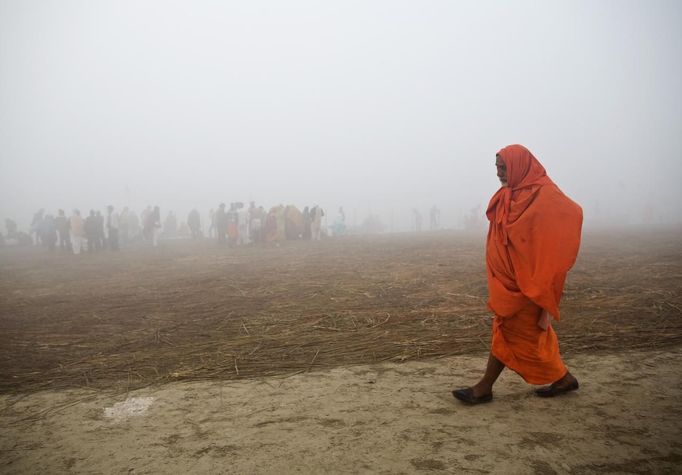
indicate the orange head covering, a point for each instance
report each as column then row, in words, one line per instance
column 523, row 169
column 524, row 172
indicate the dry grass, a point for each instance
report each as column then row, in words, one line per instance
column 193, row 311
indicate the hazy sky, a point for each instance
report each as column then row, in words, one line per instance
column 373, row 105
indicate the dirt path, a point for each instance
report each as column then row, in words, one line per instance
column 383, row 418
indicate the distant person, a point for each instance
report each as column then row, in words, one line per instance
column 11, row 227
column 124, row 226
column 48, row 232
column 434, row 216
column 532, row 242
column 62, row 225
column 270, row 228
column 293, row 222
column 340, row 222
column 101, row 240
column 253, row 220
column 112, row 228
column 211, row 224
column 316, row 214
column 194, row 223
column 77, row 230
column 36, row 222
column 256, row 222
column 242, row 225
column 281, row 227
column 134, row 228
column 15, row 237
column 154, row 225
column 221, row 223
column 145, row 217
column 306, row 224
column 91, row 234
column 232, row 224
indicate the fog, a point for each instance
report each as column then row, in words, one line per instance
column 380, row 106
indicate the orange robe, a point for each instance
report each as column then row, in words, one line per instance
column 532, row 243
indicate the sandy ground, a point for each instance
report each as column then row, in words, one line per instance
column 383, row 418
column 196, row 359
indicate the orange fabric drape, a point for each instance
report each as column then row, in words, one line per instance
column 532, row 243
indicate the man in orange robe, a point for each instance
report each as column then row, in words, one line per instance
column 532, row 243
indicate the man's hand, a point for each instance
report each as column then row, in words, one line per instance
column 544, row 320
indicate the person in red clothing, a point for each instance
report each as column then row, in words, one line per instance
column 532, row 242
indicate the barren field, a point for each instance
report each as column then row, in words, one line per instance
column 193, row 311
column 77, row 332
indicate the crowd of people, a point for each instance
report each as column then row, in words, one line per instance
column 231, row 226
column 238, row 225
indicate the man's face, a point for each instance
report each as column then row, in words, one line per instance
column 501, row 170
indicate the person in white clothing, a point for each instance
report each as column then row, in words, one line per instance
column 316, row 214
column 77, row 231
column 112, row 228
column 243, row 226
column 156, row 229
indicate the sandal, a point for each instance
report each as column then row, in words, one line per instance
column 555, row 390
column 467, row 395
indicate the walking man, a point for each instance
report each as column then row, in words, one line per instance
column 532, row 243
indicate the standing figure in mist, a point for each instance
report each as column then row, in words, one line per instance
column 194, row 223
column 91, row 231
column 48, row 232
column 124, row 226
column 100, row 241
column 256, row 220
column 144, row 216
column 77, row 229
column 211, row 223
column 220, row 219
column 340, row 222
column 233, row 224
column 113, row 224
column 134, row 230
column 35, row 226
column 316, row 214
column 532, row 243
column 243, row 225
column 306, row 223
column 156, row 225
column 152, row 226
column 434, row 216
column 62, row 224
